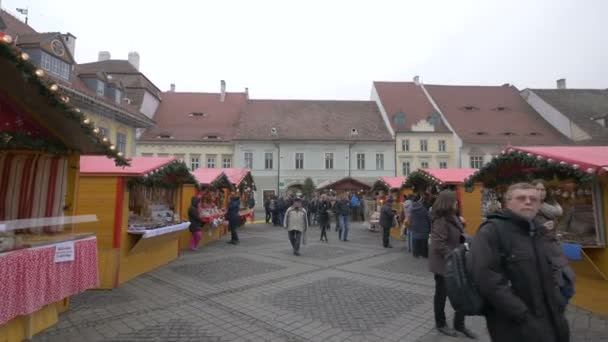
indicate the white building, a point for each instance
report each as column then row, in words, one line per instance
column 285, row 141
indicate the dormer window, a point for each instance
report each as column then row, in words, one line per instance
column 212, row 137
column 197, row 115
column 481, row 133
column 501, row 109
column 509, row 134
column 399, row 119
column 353, row 131
column 469, row 108
column 164, row 136
column 534, row 134
column 601, row 121
column 55, row 66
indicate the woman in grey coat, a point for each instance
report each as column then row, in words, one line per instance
column 446, row 235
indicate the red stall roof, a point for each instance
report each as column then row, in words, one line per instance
column 586, row 157
column 236, row 175
column 207, row 176
column 450, row 175
column 139, row 165
column 393, row 182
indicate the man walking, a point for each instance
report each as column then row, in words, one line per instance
column 323, row 209
column 512, row 271
column 267, row 209
column 296, row 222
column 343, row 210
column 233, row 217
column 387, row 217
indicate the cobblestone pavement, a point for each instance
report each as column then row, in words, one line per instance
column 260, row 291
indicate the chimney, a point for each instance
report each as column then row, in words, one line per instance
column 104, row 55
column 417, row 80
column 70, row 41
column 561, row 83
column 223, row 91
column 134, row 59
column 247, row 93
column 172, row 88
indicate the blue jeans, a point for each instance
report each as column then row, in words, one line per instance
column 343, row 227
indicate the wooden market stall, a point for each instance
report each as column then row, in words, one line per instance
column 435, row 180
column 381, row 190
column 577, row 178
column 242, row 180
column 137, row 206
column 43, row 261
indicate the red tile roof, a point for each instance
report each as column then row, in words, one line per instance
column 312, row 120
column 409, row 99
column 587, row 157
column 139, row 165
column 236, row 175
column 217, row 119
column 205, row 176
column 485, row 123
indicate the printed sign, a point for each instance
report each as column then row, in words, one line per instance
column 64, row 251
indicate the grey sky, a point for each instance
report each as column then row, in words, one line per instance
column 335, row 49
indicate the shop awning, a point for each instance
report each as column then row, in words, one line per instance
column 346, row 184
column 236, row 176
column 140, row 166
column 439, row 176
column 212, row 177
column 389, row 183
column 590, row 159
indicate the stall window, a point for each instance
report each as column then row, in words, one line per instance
column 227, row 162
column 249, row 160
column 405, row 145
column 195, row 162
column 299, row 161
column 329, row 161
column 379, row 161
column 441, row 145
column 424, row 145
column 476, row 162
column 360, row 161
column 405, row 166
column 121, row 142
column 211, row 161
column 443, row 165
column 268, row 161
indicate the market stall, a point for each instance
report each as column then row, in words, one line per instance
column 431, row 181
column 43, row 261
column 381, row 190
column 139, row 225
column 577, row 179
column 242, row 180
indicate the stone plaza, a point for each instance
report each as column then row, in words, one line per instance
column 260, row 291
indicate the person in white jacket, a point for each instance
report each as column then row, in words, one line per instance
column 296, row 223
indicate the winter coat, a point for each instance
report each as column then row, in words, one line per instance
column 343, row 207
column 251, row 202
column 195, row 221
column 234, row 219
column 387, row 215
column 420, row 221
column 296, row 219
column 323, row 208
column 524, row 303
column 446, row 235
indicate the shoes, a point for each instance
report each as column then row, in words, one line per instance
column 296, row 253
column 233, row 242
column 468, row 333
column 447, row 331
column 345, row 240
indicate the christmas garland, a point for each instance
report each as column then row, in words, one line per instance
column 420, row 179
column 23, row 141
column 55, row 98
column 169, row 177
column 538, row 167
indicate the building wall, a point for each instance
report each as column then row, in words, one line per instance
column 149, row 105
column 314, row 162
column 187, row 151
column 554, row 117
column 432, row 156
column 114, row 127
column 485, row 151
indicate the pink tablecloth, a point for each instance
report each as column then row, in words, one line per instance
column 30, row 278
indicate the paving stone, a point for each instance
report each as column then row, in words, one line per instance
column 323, row 252
column 226, row 269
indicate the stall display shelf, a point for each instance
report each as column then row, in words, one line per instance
column 148, row 233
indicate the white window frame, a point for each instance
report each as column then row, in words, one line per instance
column 424, row 145
column 406, row 167
column 248, row 160
column 121, row 145
column 405, row 145
column 55, row 66
column 441, row 145
column 329, row 160
column 360, row 161
column 476, row 161
column 424, row 164
column 443, row 164
column 299, row 162
column 211, row 161
column 268, row 162
column 226, row 162
column 195, row 161
column 379, row 161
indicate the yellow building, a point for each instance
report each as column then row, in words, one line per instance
column 422, row 139
column 197, row 128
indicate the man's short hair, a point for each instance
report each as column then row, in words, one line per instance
column 518, row 186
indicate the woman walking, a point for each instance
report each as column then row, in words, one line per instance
column 195, row 223
column 323, row 208
column 446, row 234
column 420, row 225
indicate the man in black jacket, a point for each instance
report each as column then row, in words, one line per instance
column 387, row 217
column 514, row 276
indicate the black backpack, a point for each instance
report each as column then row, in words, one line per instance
column 459, row 282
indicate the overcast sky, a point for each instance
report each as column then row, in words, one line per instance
column 335, row 49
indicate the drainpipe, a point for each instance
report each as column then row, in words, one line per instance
column 278, row 146
column 349, row 158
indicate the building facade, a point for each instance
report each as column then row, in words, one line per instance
column 284, row 142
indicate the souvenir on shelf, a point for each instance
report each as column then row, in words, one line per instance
column 151, row 208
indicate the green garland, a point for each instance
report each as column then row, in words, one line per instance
column 22, row 141
column 490, row 174
column 170, row 177
column 54, row 99
column 419, row 179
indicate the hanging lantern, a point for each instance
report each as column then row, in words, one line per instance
column 24, row 56
column 575, row 166
column 540, row 157
column 550, row 160
column 39, row 72
column 590, row 170
column 54, row 88
column 562, row 163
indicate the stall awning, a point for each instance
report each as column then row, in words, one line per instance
column 450, row 176
column 140, row 166
column 590, row 159
column 212, row 177
column 346, row 184
column 390, row 182
column 238, row 175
